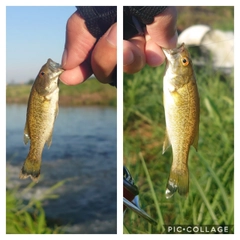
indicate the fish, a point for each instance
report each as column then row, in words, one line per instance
column 182, row 113
column 42, row 110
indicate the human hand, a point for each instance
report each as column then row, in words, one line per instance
column 82, row 57
column 141, row 50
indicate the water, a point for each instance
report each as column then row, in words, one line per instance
column 83, row 149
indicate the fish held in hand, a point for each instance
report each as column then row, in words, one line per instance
column 41, row 114
column 181, row 106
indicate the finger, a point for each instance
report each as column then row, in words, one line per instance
column 104, row 55
column 78, row 42
column 133, row 54
column 154, row 54
column 163, row 30
column 76, row 75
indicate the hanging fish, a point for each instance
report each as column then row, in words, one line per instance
column 41, row 113
column 181, row 105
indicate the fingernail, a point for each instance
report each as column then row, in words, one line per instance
column 64, row 58
column 128, row 57
column 112, row 36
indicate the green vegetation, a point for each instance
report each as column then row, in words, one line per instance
column 211, row 193
column 217, row 17
column 25, row 218
column 91, row 92
column 17, row 93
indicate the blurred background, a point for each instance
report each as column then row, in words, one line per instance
column 208, row 32
column 76, row 192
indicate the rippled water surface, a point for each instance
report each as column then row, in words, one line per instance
column 83, row 149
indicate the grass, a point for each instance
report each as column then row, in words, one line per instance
column 29, row 217
column 211, row 194
column 217, row 17
column 91, row 92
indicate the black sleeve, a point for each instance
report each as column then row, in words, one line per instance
column 137, row 17
column 98, row 19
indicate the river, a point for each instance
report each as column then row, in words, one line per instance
column 83, row 150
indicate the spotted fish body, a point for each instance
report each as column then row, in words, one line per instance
column 181, row 106
column 41, row 113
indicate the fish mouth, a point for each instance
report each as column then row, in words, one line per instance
column 174, row 51
column 54, row 67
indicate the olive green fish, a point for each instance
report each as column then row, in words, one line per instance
column 181, row 105
column 41, row 113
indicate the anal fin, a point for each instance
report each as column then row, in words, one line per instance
column 166, row 143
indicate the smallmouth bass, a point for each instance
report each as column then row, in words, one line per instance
column 41, row 114
column 182, row 107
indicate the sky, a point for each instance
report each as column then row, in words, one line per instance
column 33, row 34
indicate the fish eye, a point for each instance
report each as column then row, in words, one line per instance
column 41, row 74
column 185, row 61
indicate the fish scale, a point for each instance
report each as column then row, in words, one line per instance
column 181, row 107
column 41, row 114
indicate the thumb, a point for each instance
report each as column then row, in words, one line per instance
column 163, row 30
column 78, row 44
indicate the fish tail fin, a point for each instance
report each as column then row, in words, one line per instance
column 178, row 180
column 31, row 168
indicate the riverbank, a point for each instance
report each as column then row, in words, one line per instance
column 89, row 93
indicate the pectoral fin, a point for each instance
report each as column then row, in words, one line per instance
column 176, row 98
